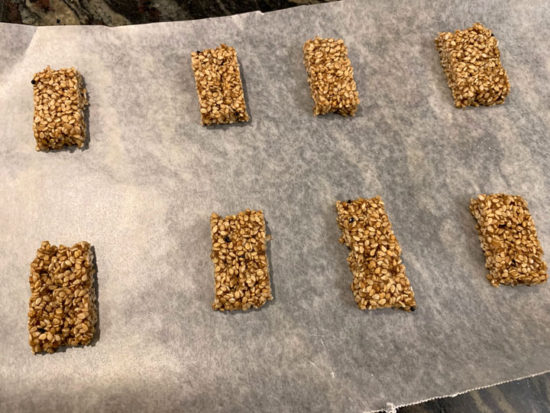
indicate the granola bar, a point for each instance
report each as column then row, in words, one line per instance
column 62, row 308
column 471, row 61
column 374, row 259
column 330, row 77
column 59, row 101
column 239, row 256
column 509, row 240
column 218, row 81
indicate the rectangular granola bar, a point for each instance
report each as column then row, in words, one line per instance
column 62, row 308
column 219, row 87
column 239, row 256
column 471, row 61
column 374, row 259
column 59, row 101
column 330, row 77
column 509, row 240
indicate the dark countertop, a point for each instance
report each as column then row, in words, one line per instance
column 121, row 12
column 522, row 396
column 528, row 395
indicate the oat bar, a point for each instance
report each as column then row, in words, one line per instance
column 218, row 81
column 330, row 77
column 374, row 259
column 513, row 254
column 239, row 255
column 59, row 101
column 62, row 308
column 471, row 61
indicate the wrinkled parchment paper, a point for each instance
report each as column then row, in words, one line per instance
column 143, row 191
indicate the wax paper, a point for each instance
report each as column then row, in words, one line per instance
column 143, row 189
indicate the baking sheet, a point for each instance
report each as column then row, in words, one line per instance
column 143, row 191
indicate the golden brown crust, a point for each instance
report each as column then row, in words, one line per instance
column 509, row 240
column 379, row 278
column 239, row 255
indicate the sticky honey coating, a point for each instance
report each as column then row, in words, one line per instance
column 513, row 253
column 62, row 307
column 240, row 262
column 471, row 61
column 330, row 77
column 374, row 259
column 219, row 86
column 59, row 102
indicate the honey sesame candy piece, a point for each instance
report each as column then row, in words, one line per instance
column 219, row 86
column 513, row 253
column 59, row 102
column 241, row 273
column 330, row 77
column 374, row 259
column 471, row 62
column 62, row 307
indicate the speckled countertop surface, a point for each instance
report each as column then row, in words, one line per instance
column 122, row 12
column 530, row 395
